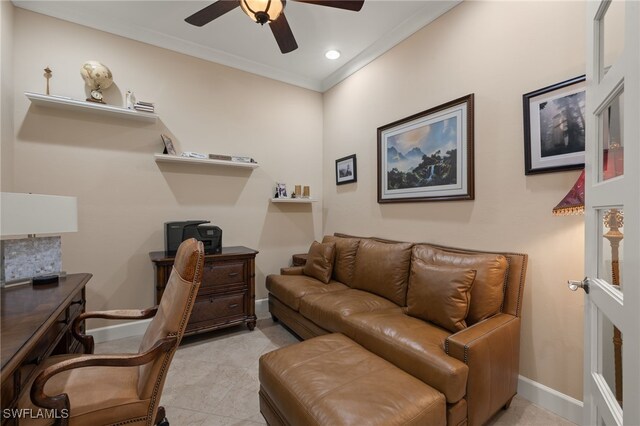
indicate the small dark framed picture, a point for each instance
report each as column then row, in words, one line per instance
column 346, row 170
column 168, row 145
column 554, row 124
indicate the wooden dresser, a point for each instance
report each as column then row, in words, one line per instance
column 227, row 293
column 36, row 323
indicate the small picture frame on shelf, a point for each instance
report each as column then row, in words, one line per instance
column 168, row 145
column 281, row 190
column 346, row 171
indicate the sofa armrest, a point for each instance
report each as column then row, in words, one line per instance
column 491, row 349
column 292, row 270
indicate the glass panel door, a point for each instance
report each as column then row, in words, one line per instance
column 612, row 247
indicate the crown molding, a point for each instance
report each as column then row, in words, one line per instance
column 165, row 41
column 385, row 43
column 155, row 38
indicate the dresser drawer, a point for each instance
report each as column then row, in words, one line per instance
column 76, row 306
column 43, row 348
column 227, row 293
column 207, row 308
column 223, row 273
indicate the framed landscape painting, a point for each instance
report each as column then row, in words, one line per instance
column 554, row 124
column 428, row 156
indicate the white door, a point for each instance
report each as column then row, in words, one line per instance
column 612, row 215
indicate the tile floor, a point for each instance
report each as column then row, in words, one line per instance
column 213, row 379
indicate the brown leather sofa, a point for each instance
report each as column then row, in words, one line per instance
column 460, row 334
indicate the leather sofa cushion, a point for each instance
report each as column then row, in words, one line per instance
column 330, row 380
column 413, row 345
column 383, row 269
column 346, row 249
column 440, row 294
column 320, row 261
column 290, row 289
column 487, row 293
column 329, row 309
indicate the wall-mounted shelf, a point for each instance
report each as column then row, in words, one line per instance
column 293, row 200
column 166, row 158
column 76, row 105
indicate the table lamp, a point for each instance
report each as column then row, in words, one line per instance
column 34, row 259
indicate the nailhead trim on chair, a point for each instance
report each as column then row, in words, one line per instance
column 156, row 388
column 504, row 283
column 521, row 285
column 129, row 421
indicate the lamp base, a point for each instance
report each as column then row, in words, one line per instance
column 25, row 258
column 44, row 280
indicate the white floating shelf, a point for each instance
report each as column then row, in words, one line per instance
column 166, row 158
column 293, row 200
column 73, row 104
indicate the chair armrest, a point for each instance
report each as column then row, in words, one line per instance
column 87, row 341
column 292, row 270
column 61, row 402
column 491, row 349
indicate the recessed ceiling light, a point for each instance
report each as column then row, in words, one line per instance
column 332, row 54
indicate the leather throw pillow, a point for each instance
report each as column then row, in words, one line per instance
column 491, row 269
column 440, row 294
column 320, row 261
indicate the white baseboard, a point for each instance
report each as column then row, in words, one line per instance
column 550, row 399
column 119, row 331
column 137, row 328
column 262, row 308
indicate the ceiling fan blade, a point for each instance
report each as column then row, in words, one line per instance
column 354, row 5
column 282, row 32
column 212, row 12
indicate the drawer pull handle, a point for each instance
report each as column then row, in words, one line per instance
column 77, row 302
column 233, row 274
column 64, row 321
column 233, row 305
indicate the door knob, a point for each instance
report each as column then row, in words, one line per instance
column 574, row 285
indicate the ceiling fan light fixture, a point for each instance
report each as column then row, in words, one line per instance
column 332, row 54
column 262, row 11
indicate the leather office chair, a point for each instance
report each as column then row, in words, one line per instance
column 121, row 389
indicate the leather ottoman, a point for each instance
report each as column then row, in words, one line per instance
column 331, row 380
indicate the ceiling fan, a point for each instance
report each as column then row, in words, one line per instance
column 263, row 11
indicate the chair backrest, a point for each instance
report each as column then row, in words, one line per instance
column 172, row 317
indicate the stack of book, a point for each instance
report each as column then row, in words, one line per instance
column 144, row 106
column 237, row 159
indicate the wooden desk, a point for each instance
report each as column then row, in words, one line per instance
column 36, row 323
column 227, row 294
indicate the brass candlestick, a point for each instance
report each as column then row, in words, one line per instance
column 614, row 220
column 47, row 74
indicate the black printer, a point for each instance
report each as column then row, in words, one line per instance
column 177, row 232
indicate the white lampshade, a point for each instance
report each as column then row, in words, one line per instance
column 24, row 214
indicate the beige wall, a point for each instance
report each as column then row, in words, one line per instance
column 6, row 95
column 497, row 50
column 124, row 197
